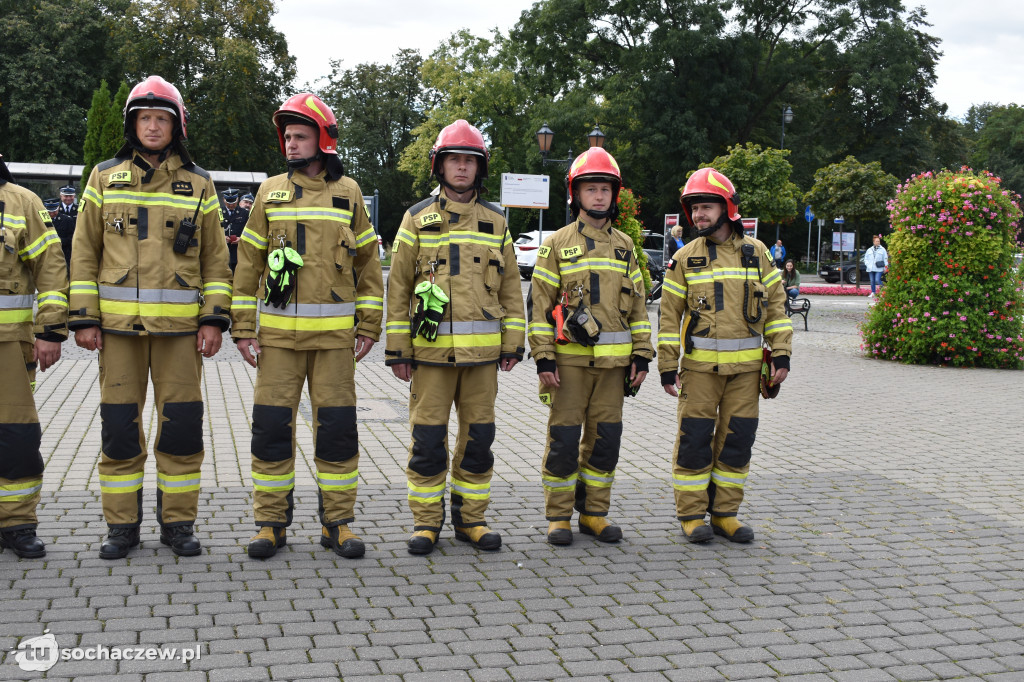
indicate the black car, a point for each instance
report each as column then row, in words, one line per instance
column 830, row 271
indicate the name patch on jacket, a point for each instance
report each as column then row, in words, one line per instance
column 182, row 187
column 430, row 219
column 696, row 261
column 119, row 177
column 278, row 195
column 571, row 252
column 544, row 251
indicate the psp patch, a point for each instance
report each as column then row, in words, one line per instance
column 571, row 252
column 119, row 177
column 44, row 215
column 430, row 219
column 544, row 251
column 697, row 261
column 278, row 196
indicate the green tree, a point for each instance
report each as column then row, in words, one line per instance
column 1000, row 145
column 113, row 132
column 856, row 191
column 96, row 121
column 953, row 295
column 761, row 178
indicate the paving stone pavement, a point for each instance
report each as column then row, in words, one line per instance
column 884, row 498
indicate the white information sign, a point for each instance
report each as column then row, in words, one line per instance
column 525, row 191
column 847, row 241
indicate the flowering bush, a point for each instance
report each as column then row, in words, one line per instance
column 629, row 222
column 952, row 296
column 834, row 291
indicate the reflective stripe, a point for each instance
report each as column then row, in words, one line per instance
column 269, row 483
column 474, row 327
column 595, row 479
column 772, row 277
column 211, row 288
column 15, row 492
column 312, row 309
column 559, row 485
column 254, row 239
column 39, row 245
column 516, row 323
column 669, row 338
column 727, row 345
column 182, row 483
column 112, row 293
column 309, row 316
column 427, row 494
column 674, row 288
column 337, row 481
column 366, row 237
column 541, row 328
column 778, row 325
column 372, row 302
column 243, row 302
column 463, row 237
column 595, row 264
column 52, row 297
column 719, row 274
column 152, row 199
column 728, row 479
column 598, row 351
column 93, row 195
column 725, row 357
column 545, row 275
column 471, row 491
column 635, row 327
column 405, row 236
column 338, row 215
column 83, row 287
column 17, row 301
column 127, row 483
column 398, row 327
column 476, row 334
column 695, row 482
column 15, row 316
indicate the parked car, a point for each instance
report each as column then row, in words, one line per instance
column 654, row 247
column 830, row 271
column 526, row 246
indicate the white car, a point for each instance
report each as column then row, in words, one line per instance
column 526, row 246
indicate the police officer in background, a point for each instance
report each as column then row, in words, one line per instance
column 30, row 255
column 722, row 293
column 64, row 224
column 455, row 315
column 246, row 202
column 591, row 353
column 67, row 201
column 308, row 264
column 233, row 224
column 151, row 291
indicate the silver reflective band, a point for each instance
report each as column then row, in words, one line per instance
column 121, row 484
column 725, row 345
column 428, row 495
column 312, row 309
column 478, row 327
column 21, row 491
column 178, row 484
column 149, row 295
column 611, row 338
column 24, row 301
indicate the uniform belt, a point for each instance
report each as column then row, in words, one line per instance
column 149, row 295
column 312, row 309
column 726, row 345
column 17, row 301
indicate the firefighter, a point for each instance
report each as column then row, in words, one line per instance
column 586, row 366
column 308, row 270
column 455, row 314
column 30, row 257
column 722, row 295
column 233, row 224
column 64, row 225
column 151, row 291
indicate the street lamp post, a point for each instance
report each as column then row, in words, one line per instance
column 544, row 138
column 787, row 117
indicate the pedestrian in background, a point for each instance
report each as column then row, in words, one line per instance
column 876, row 261
column 779, row 253
column 791, row 279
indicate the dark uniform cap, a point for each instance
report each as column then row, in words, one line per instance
column 68, row 190
column 248, row 197
column 51, row 204
column 230, row 196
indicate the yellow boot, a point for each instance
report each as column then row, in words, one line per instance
column 560, row 533
column 482, row 537
column 732, row 529
column 695, row 530
column 264, row 544
column 422, row 542
column 599, row 527
column 342, row 541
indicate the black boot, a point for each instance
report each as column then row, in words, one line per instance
column 118, row 542
column 24, row 542
column 181, row 539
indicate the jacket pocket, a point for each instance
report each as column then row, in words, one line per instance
column 10, row 286
column 494, row 270
column 113, row 275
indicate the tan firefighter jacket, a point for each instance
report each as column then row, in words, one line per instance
column 599, row 264
column 30, row 259
column 719, row 282
column 468, row 248
column 125, row 275
column 339, row 291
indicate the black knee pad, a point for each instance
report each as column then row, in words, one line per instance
column 478, row 458
column 119, row 430
column 695, row 443
column 429, row 457
column 19, row 444
column 271, row 432
column 564, row 453
column 739, row 442
column 182, row 433
column 606, row 448
column 337, row 438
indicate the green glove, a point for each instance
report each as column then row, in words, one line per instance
column 429, row 310
column 284, row 268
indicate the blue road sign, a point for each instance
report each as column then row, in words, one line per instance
column 808, row 213
column 839, row 220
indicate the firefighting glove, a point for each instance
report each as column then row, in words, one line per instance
column 583, row 326
column 430, row 310
column 284, row 268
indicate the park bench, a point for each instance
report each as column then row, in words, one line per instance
column 798, row 306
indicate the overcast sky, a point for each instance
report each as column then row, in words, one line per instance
column 982, row 40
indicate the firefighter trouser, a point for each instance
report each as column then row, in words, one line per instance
column 21, row 465
column 332, row 394
column 717, row 419
column 126, row 364
column 434, row 389
column 587, row 403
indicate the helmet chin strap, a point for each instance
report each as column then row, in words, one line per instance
column 599, row 215
column 297, row 164
column 708, row 231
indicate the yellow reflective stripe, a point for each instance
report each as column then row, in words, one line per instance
column 694, row 482
column 669, row 338
column 56, row 297
column 459, row 341
column 541, row 328
column 374, row 302
column 595, row 479
column 559, row 485
column 406, row 236
column 728, row 479
column 211, row 204
column 771, row 278
column 239, row 302
column 16, row 492
column 635, row 327
column 306, row 324
column 273, row 482
column 460, row 237
column 92, row 195
column 15, row 316
column 398, row 327
column 471, row 491
column 338, row 215
column 366, row 237
column 83, row 287
column 39, row 245
column 595, row 264
column 149, row 309
column 328, row 481
column 546, row 275
column 778, row 325
column 125, row 483
column 599, row 351
column 725, row 357
column 674, row 287
column 433, row 494
column 181, row 483
column 254, row 239
column 151, row 199
column 514, row 323
column 217, row 288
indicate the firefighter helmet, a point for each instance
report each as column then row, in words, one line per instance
column 155, row 93
column 594, row 165
column 309, row 109
column 461, row 138
column 709, row 184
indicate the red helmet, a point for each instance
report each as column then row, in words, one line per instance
column 155, row 93
column 595, row 165
column 463, row 138
column 707, row 183
column 311, row 110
